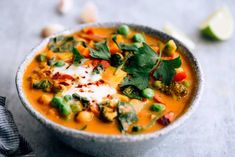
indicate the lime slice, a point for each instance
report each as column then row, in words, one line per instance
column 219, row 25
column 175, row 32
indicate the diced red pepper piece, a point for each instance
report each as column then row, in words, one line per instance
column 157, row 98
column 89, row 31
column 105, row 63
column 180, row 76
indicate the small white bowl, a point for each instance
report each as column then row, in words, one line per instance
column 112, row 145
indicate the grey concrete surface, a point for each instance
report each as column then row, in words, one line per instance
column 211, row 130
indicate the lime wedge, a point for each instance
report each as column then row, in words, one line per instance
column 175, row 32
column 219, row 25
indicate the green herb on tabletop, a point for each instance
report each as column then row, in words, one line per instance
column 44, row 85
column 101, row 51
column 77, row 56
column 126, row 116
column 166, row 70
column 61, row 44
column 60, row 104
column 83, row 100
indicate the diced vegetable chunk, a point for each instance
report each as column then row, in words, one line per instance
column 169, row 48
column 113, row 77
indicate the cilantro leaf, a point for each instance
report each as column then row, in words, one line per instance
column 139, row 67
column 138, row 79
column 77, row 56
column 166, row 70
column 101, row 52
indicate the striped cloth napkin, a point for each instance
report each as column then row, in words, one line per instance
column 12, row 144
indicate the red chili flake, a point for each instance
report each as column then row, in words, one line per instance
column 81, row 90
column 86, row 72
column 101, row 81
column 79, row 86
column 47, row 72
column 56, row 75
column 89, row 84
column 83, row 77
column 64, row 83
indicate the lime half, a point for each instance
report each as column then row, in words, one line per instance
column 219, row 25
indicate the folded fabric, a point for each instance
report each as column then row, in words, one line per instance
column 11, row 142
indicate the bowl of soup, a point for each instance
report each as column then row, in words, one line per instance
column 110, row 89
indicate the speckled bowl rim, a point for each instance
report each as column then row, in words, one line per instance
column 89, row 136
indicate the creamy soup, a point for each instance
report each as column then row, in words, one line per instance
column 109, row 81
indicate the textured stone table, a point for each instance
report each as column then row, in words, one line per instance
column 211, row 130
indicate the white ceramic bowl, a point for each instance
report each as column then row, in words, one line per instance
column 112, row 145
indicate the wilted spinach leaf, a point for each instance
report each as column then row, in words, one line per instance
column 131, row 91
column 61, row 43
column 126, row 116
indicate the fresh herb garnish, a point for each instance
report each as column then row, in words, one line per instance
column 139, row 67
column 44, row 85
column 101, row 51
column 61, row 43
column 166, row 70
column 77, row 56
column 124, row 47
column 131, row 91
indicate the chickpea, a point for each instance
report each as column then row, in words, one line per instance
column 84, row 116
column 45, row 99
